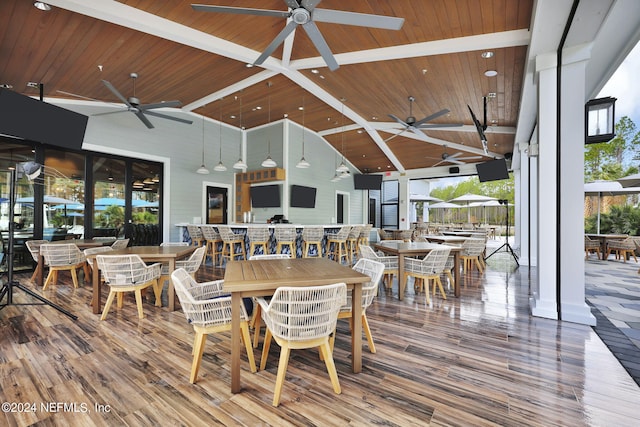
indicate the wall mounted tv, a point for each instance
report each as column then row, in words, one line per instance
column 303, row 197
column 367, row 182
column 493, row 170
column 265, row 196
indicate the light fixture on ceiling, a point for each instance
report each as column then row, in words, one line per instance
column 335, row 177
column 240, row 164
column 269, row 162
column 156, row 179
column 148, row 181
column 220, row 167
column 110, row 177
column 488, row 54
column 138, row 184
column 203, row 169
column 491, row 73
column 303, row 163
column 342, row 167
column 41, row 5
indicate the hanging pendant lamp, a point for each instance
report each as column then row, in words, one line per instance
column 342, row 167
column 220, row 167
column 240, row 164
column 203, row 169
column 269, row 162
column 303, row 163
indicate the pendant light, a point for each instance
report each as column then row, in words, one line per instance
column 220, row 167
column 240, row 164
column 203, row 169
column 335, row 177
column 342, row 167
column 269, row 162
column 303, row 164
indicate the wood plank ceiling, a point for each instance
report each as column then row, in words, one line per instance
column 201, row 59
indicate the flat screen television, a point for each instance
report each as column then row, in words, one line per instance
column 303, row 197
column 265, row 196
column 492, row 170
column 367, row 182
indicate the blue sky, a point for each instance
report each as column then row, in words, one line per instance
column 623, row 86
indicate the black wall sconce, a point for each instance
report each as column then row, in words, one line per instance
column 600, row 120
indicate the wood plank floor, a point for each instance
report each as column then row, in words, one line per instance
column 479, row 360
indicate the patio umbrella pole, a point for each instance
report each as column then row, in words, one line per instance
column 506, row 245
column 10, row 284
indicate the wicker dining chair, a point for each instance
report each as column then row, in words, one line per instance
column 591, row 246
column 390, row 264
column 208, row 309
column 373, row 269
column 120, row 244
column 191, row 265
column 302, row 317
column 230, row 241
column 127, row 273
column 214, row 244
column 63, row 257
column 472, row 252
column 427, row 269
column 33, row 246
column 337, row 244
column 258, row 238
column 285, row 236
column 622, row 248
column 196, row 236
column 93, row 251
column 312, row 237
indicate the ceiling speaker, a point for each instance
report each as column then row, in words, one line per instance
column 454, row 169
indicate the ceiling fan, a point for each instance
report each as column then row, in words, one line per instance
column 415, row 126
column 454, row 158
column 305, row 13
column 480, row 128
column 134, row 106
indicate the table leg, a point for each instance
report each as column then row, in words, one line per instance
column 97, row 291
column 236, row 298
column 400, row 277
column 40, row 276
column 456, row 273
column 356, row 334
column 171, row 293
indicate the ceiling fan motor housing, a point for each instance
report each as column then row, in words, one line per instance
column 300, row 16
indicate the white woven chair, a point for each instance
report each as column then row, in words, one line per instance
column 337, row 244
column 427, row 269
column 373, row 269
column 120, row 244
column 390, row 264
column 302, row 317
column 352, row 242
column 191, row 265
column 213, row 240
column 127, row 273
column 258, row 237
column 472, row 251
column 63, row 257
column 196, row 236
column 312, row 236
column 229, row 242
column 285, row 236
column 208, row 309
column 97, row 250
column 34, row 249
column 363, row 239
column 255, row 321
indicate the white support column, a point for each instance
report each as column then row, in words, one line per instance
column 544, row 296
column 403, row 203
column 573, row 93
column 521, row 177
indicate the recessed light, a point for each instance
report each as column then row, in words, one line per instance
column 285, row 115
column 32, row 85
column 258, row 108
column 487, row 54
column 424, row 71
column 301, row 108
column 249, row 65
column 322, row 77
column 6, row 86
column 41, row 5
column 374, row 117
column 233, row 116
column 491, row 73
column 491, row 95
column 314, row 71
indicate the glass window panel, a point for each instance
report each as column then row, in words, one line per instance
column 108, row 197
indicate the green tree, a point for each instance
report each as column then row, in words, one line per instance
column 611, row 160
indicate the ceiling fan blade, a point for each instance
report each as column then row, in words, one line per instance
column 276, row 42
column 439, row 125
column 292, row 4
column 165, row 116
column 418, row 132
column 439, row 163
column 359, row 19
column 142, row 118
column 78, row 96
column 397, row 119
column 321, row 45
column 393, row 136
column 168, row 104
column 111, row 112
column 309, row 4
column 116, row 93
column 431, row 117
column 240, row 10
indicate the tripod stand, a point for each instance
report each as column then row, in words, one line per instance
column 506, row 245
column 8, row 287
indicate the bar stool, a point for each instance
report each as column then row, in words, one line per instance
column 286, row 236
column 363, row 239
column 229, row 242
column 312, row 236
column 214, row 244
column 195, row 234
column 339, row 241
column 352, row 242
column 258, row 238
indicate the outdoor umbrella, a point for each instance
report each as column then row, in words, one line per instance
column 414, row 198
column 630, row 180
column 444, row 205
column 607, row 188
column 470, row 198
column 109, row 201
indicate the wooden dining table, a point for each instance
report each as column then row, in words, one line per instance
column 263, row 277
column 80, row 243
column 417, row 249
column 164, row 254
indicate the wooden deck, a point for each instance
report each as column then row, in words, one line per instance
column 478, row 360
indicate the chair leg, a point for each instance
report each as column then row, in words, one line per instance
column 138, row 293
column 74, row 277
column 331, row 366
column 157, row 291
column 198, row 349
column 246, row 338
column 49, row 279
column 282, row 370
column 265, row 349
column 107, row 305
column 257, row 323
column 426, row 291
column 439, row 283
column 367, row 332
